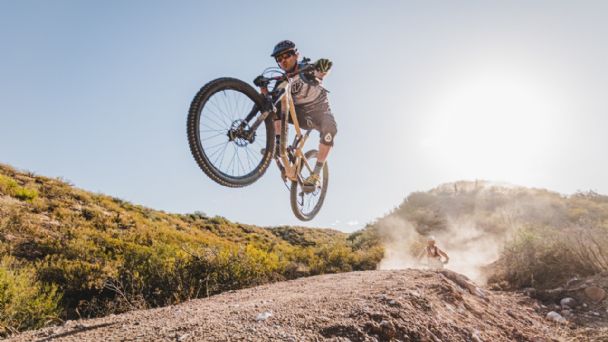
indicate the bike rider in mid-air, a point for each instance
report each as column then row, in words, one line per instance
column 310, row 100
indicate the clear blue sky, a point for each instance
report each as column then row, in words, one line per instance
column 424, row 93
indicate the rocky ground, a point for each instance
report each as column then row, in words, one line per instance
column 580, row 303
column 405, row 305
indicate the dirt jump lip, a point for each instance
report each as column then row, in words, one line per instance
column 381, row 305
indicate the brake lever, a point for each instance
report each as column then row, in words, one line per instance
column 261, row 81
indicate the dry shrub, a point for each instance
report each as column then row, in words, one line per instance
column 545, row 257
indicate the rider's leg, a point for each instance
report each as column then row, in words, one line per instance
column 323, row 153
column 321, row 157
column 327, row 131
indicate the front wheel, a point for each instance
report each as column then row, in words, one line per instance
column 222, row 142
column 306, row 203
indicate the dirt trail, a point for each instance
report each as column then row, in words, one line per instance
column 406, row 305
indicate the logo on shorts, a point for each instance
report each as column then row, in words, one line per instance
column 309, row 122
column 328, row 137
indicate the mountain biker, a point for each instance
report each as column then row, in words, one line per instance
column 433, row 254
column 310, row 101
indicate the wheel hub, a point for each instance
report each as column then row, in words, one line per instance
column 241, row 133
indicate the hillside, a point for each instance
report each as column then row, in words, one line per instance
column 67, row 253
column 409, row 305
column 508, row 236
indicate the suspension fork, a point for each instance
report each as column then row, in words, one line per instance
column 269, row 108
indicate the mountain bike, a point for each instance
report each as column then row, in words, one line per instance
column 231, row 136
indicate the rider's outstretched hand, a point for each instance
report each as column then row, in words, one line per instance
column 323, row 65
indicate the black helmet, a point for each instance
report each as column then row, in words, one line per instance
column 282, row 46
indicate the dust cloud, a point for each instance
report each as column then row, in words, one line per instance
column 468, row 247
column 471, row 238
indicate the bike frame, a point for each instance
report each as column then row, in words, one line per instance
column 289, row 168
column 292, row 167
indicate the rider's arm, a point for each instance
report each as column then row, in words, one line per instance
column 421, row 254
column 443, row 254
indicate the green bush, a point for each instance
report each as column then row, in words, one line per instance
column 7, row 185
column 10, row 187
column 24, row 302
column 25, row 194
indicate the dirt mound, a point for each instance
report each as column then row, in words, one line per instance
column 406, row 305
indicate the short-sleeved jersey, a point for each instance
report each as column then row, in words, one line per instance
column 308, row 93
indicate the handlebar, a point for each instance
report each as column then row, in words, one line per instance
column 261, row 81
column 309, row 67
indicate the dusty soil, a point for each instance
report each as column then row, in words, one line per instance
column 405, row 305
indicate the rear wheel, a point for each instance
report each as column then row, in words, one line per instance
column 224, row 146
column 306, row 203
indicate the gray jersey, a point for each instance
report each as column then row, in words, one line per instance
column 308, row 94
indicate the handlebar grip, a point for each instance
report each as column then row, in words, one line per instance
column 261, row 81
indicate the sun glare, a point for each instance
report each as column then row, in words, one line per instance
column 494, row 125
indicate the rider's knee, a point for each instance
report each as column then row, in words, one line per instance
column 328, row 136
column 328, row 132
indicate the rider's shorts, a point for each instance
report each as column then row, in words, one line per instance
column 321, row 119
column 435, row 263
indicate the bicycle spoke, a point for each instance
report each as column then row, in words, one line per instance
column 240, row 162
column 213, row 136
column 233, row 105
column 214, row 154
column 248, row 155
column 211, row 121
column 226, row 104
column 213, row 101
column 223, row 131
column 232, row 161
column 240, row 106
column 220, row 118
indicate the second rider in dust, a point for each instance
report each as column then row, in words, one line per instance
column 310, row 101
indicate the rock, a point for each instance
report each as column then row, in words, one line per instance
column 263, row 316
column 387, row 330
column 567, row 303
column 475, row 336
column 566, row 313
column 555, row 317
column 596, row 294
column 530, row 292
column 572, row 282
column 594, row 313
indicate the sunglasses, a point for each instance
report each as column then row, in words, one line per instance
column 284, row 56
